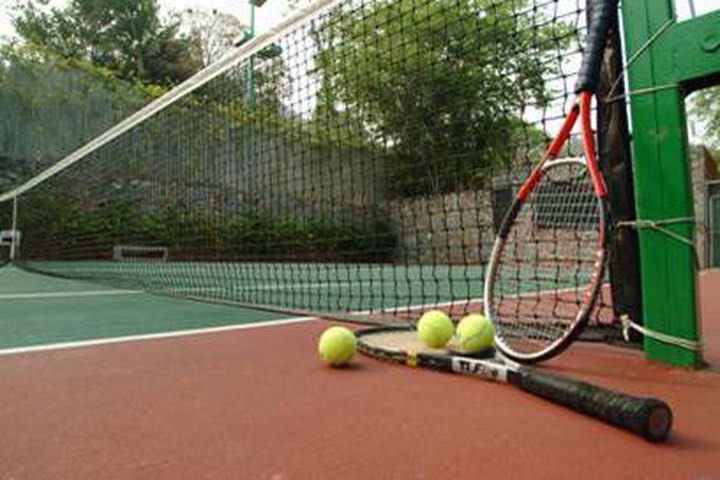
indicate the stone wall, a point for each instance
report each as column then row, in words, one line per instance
column 703, row 170
column 452, row 229
column 458, row 228
column 713, row 230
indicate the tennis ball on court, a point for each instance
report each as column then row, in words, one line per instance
column 337, row 345
column 474, row 333
column 435, row 329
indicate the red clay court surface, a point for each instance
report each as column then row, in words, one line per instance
column 257, row 404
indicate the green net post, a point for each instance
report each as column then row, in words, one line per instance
column 671, row 59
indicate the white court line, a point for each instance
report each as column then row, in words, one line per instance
column 89, row 293
column 180, row 333
column 151, row 336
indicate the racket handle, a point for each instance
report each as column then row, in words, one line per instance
column 603, row 13
column 648, row 417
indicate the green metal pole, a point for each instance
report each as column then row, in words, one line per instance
column 251, row 63
column 672, row 59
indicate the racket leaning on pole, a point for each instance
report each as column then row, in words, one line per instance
column 549, row 256
column 648, row 417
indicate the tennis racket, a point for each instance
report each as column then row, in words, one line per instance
column 548, row 260
column 648, row 417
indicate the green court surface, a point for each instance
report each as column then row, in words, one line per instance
column 40, row 310
column 112, row 300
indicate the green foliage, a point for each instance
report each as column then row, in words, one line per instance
column 198, row 235
column 706, row 107
column 441, row 84
column 230, row 92
column 124, row 36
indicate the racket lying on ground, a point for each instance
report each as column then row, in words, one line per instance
column 648, row 417
column 549, row 256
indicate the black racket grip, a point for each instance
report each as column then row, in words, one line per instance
column 648, row 417
column 603, row 14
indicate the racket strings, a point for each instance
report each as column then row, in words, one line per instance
column 402, row 340
column 548, row 260
column 405, row 340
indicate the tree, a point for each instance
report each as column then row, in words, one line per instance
column 706, row 107
column 214, row 32
column 125, row 36
column 442, row 85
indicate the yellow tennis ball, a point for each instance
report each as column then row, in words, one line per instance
column 337, row 345
column 475, row 332
column 435, row 329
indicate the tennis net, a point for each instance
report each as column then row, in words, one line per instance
column 354, row 161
